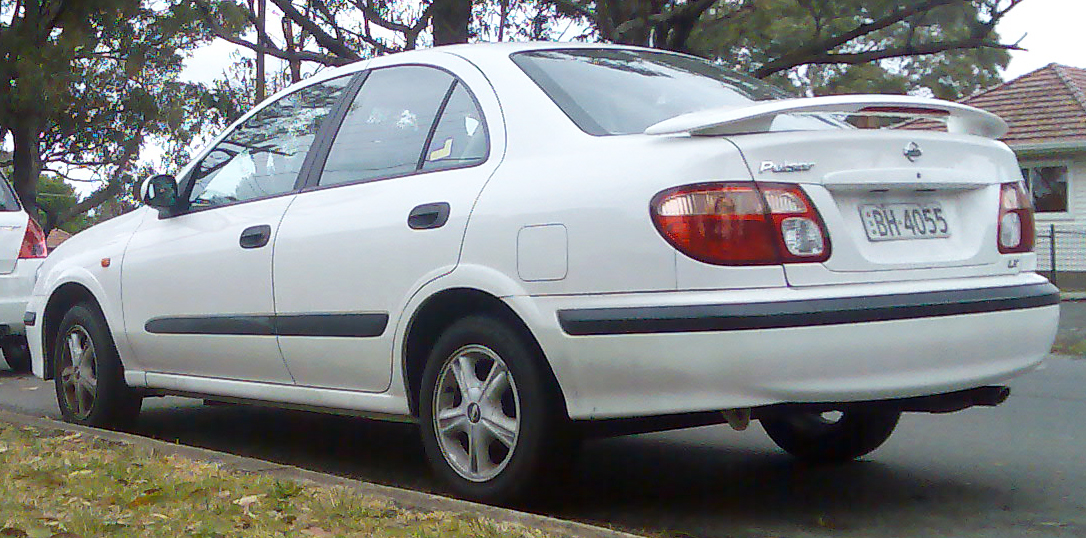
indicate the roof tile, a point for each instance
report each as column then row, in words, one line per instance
column 1046, row 105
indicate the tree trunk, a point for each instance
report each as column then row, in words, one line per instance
column 295, row 65
column 450, row 19
column 26, row 164
column 261, row 18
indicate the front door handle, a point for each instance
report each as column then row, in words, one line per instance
column 255, row 236
column 428, row 216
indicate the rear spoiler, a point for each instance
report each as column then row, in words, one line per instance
column 759, row 117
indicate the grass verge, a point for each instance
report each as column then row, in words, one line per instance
column 1070, row 348
column 64, row 485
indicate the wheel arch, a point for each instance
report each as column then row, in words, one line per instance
column 436, row 313
column 60, row 300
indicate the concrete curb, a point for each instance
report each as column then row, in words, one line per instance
column 405, row 498
column 1073, row 295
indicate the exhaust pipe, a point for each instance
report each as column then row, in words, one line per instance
column 949, row 402
column 990, row 396
column 738, row 419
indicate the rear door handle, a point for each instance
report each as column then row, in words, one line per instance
column 428, row 216
column 255, row 236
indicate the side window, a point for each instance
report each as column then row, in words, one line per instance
column 263, row 155
column 387, row 124
column 460, row 138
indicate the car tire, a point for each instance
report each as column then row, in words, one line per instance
column 16, row 353
column 88, row 374
column 814, row 438
column 492, row 421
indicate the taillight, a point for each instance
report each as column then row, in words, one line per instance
column 1016, row 230
column 741, row 223
column 33, row 242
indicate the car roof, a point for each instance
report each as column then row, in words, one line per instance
column 466, row 51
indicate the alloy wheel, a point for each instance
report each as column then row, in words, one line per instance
column 476, row 410
column 79, row 372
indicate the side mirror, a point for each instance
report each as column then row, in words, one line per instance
column 160, row 192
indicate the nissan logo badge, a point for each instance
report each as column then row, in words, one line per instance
column 912, row 152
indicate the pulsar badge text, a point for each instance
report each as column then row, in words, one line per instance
column 770, row 166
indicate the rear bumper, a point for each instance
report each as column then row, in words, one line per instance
column 704, row 351
column 804, row 313
column 15, row 289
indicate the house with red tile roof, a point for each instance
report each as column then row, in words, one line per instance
column 56, row 237
column 1046, row 112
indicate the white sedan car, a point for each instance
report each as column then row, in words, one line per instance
column 22, row 250
column 519, row 245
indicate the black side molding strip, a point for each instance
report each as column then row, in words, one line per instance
column 367, row 325
column 345, row 325
column 785, row 314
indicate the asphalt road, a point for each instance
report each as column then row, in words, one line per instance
column 1015, row 470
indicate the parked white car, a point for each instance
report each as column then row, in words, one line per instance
column 517, row 245
column 22, row 250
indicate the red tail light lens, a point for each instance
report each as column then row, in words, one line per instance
column 33, row 242
column 741, row 223
column 1016, row 231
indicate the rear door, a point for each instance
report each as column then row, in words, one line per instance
column 898, row 205
column 13, row 221
column 385, row 216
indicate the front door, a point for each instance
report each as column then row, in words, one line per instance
column 197, row 285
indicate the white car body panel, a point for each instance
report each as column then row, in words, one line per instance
column 17, row 275
column 555, row 221
column 190, row 265
column 701, row 371
column 371, row 261
column 15, row 289
column 963, row 173
column 12, row 228
column 79, row 261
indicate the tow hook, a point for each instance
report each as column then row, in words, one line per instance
column 738, row 419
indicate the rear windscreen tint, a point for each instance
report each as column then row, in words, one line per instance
column 8, row 200
column 617, row 91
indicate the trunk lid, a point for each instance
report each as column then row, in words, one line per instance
column 898, row 205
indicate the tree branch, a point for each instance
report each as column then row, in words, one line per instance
column 324, row 39
column 67, row 177
column 373, row 42
column 299, row 55
column 813, row 48
column 114, row 185
column 898, row 52
column 817, row 52
column 575, row 7
column 373, row 16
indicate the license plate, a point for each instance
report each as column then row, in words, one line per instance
column 888, row 222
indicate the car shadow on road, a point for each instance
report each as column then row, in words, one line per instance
column 381, row 452
column 668, row 484
column 690, row 489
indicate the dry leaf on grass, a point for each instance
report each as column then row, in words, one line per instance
column 245, row 501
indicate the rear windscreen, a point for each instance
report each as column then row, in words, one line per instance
column 616, row 91
column 8, row 200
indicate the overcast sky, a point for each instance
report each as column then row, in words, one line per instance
column 1053, row 31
